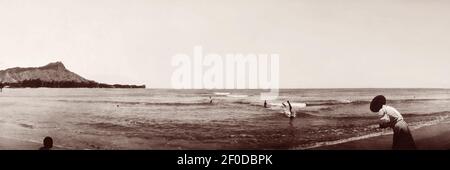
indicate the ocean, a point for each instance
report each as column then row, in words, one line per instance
column 184, row 119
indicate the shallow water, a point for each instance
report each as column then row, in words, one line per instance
column 184, row 119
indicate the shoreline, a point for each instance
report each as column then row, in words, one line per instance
column 433, row 137
column 16, row 144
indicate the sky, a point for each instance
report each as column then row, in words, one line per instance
column 321, row 43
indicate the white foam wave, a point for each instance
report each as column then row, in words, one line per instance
column 237, row 95
column 222, row 93
column 293, row 104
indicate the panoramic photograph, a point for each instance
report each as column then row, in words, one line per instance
column 224, row 75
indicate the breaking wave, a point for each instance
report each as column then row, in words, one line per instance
column 358, row 102
column 138, row 103
column 413, row 126
column 222, row 93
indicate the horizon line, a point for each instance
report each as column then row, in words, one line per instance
column 309, row 88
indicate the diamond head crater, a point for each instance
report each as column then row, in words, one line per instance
column 52, row 75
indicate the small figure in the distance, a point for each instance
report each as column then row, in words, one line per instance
column 48, row 144
column 265, row 103
column 210, row 100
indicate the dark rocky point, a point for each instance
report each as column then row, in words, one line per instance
column 53, row 75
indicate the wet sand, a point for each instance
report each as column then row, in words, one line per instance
column 13, row 144
column 434, row 137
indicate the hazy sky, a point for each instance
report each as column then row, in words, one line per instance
column 322, row 43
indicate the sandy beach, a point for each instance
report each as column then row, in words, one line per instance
column 16, row 144
column 434, row 137
column 13, row 144
column 184, row 119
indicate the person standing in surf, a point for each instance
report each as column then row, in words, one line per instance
column 291, row 116
column 390, row 117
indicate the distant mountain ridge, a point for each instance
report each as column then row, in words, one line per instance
column 51, row 75
column 51, row 72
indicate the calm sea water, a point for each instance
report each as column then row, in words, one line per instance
column 184, row 119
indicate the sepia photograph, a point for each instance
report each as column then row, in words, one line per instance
column 224, row 75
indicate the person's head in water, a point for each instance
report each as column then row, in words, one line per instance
column 377, row 103
column 48, row 143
